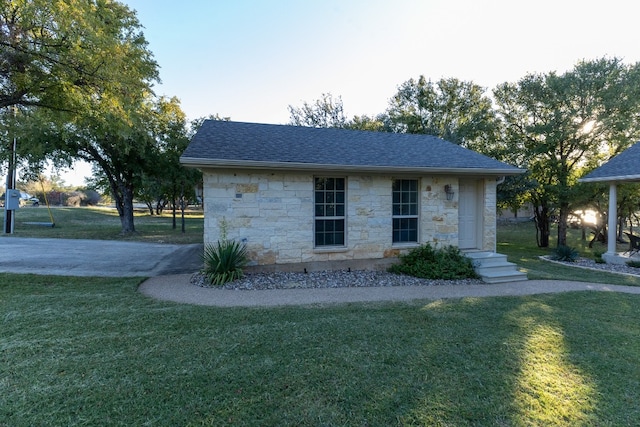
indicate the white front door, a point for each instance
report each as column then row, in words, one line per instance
column 468, row 214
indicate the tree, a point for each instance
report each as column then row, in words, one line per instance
column 451, row 109
column 87, row 62
column 512, row 192
column 322, row 113
column 125, row 145
column 564, row 124
column 380, row 123
column 128, row 151
column 54, row 50
column 172, row 182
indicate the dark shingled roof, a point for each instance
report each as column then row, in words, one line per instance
column 224, row 144
column 623, row 167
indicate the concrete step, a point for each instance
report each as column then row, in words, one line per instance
column 493, row 267
column 486, row 257
column 496, row 269
column 515, row 276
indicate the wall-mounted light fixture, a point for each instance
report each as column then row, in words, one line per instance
column 449, row 192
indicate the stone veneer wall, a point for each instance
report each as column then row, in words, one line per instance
column 272, row 212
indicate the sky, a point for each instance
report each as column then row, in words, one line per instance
column 250, row 59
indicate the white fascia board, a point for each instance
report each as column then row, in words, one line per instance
column 245, row 164
column 621, row 178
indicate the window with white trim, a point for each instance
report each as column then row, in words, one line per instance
column 329, row 211
column 405, row 210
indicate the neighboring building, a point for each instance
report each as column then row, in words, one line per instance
column 621, row 169
column 524, row 213
column 298, row 194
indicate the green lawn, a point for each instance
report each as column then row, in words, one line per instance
column 104, row 224
column 518, row 242
column 77, row 351
column 93, row 351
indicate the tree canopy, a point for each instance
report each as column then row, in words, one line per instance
column 76, row 80
column 81, row 75
column 451, row 109
column 557, row 126
column 59, row 53
column 321, row 113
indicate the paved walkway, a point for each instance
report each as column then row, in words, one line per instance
column 107, row 258
column 171, row 266
column 178, row 289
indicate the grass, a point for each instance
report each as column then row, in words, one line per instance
column 518, row 242
column 104, row 224
column 92, row 351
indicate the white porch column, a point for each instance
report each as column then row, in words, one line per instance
column 613, row 216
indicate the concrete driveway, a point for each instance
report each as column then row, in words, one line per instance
column 107, row 258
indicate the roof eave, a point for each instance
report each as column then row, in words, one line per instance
column 619, row 178
column 294, row 166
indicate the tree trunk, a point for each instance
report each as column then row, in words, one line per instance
column 174, row 195
column 117, row 198
column 160, row 205
column 126, row 219
column 543, row 226
column 123, row 197
column 562, row 224
column 174, row 211
column 621, row 222
column 599, row 234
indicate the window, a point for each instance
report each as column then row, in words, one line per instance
column 405, row 210
column 329, row 211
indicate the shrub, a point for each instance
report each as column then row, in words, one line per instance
column 223, row 262
column 634, row 264
column 597, row 257
column 429, row 263
column 565, row 253
column 74, row 198
column 92, row 198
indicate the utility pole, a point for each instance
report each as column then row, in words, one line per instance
column 9, row 205
column 11, row 199
column 182, row 205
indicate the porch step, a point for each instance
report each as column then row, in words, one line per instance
column 493, row 267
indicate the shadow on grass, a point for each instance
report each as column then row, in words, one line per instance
column 82, row 351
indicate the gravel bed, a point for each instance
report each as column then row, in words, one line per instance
column 590, row 263
column 327, row 279
column 367, row 278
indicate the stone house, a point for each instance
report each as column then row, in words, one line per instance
column 310, row 195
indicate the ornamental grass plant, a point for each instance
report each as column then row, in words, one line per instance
column 224, row 261
column 565, row 253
